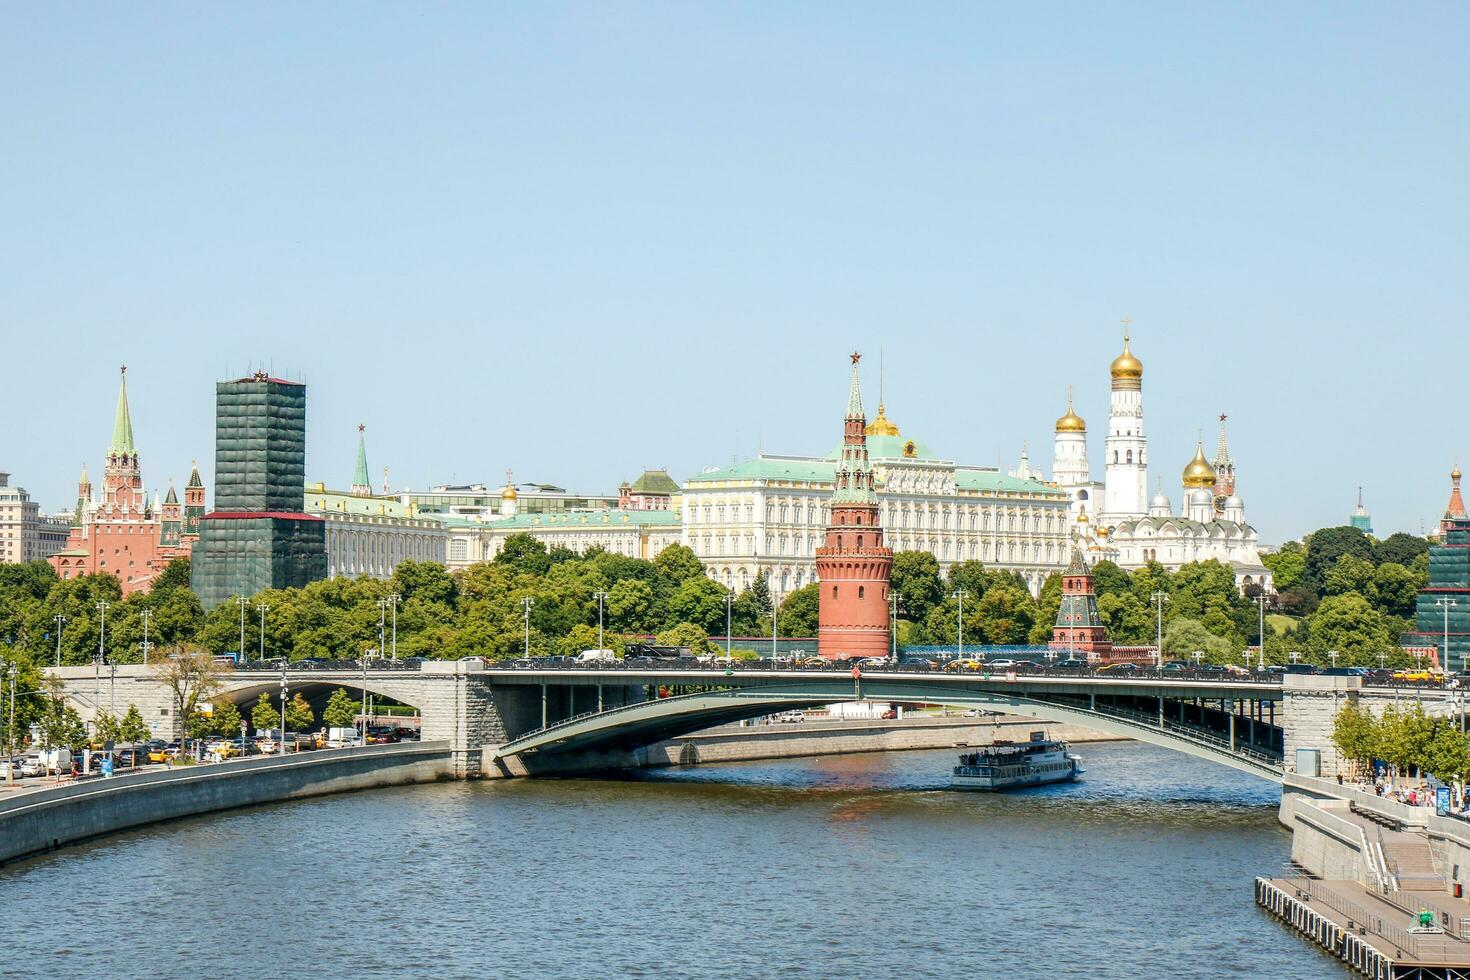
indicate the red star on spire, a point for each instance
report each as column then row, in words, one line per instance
column 1223, row 416
column 855, row 357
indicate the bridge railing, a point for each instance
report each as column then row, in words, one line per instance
column 1202, row 736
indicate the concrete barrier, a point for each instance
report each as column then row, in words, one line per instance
column 42, row 820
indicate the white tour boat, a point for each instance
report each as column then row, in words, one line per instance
column 1007, row 765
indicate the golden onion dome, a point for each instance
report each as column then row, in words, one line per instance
column 1071, row 422
column 1199, row 474
column 1454, row 473
column 508, row 492
column 880, row 426
column 1126, row 369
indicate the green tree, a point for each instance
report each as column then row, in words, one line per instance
column 677, row 564
column 341, row 710
column 1327, row 545
column 299, row 716
column 1185, row 637
column 1447, row 756
column 104, row 728
column 192, row 676
column 1354, row 731
column 799, row 610
column 760, row 594
column 1400, row 548
column 59, row 724
column 915, row 577
column 701, row 601
column 175, row 575
column 264, row 715
column 1348, row 574
column 686, row 635
column 1287, row 565
column 1394, row 589
column 629, row 606
column 225, row 718
column 1108, row 578
column 581, row 637
column 525, row 554
column 1006, row 614
column 1352, row 627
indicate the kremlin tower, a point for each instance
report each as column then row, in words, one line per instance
column 1079, row 628
column 853, row 566
column 123, row 534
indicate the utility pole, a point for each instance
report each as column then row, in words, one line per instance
column 960, row 622
column 775, row 609
column 526, row 603
column 60, row 621
column 394, row 598
column 601, row 598
column 263, row 610
column 243, row 602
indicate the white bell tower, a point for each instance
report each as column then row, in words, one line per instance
column 1126, row 450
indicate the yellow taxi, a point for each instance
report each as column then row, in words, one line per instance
column 158, row 755
column 966, row 666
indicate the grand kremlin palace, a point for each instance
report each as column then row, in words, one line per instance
column 770, row 513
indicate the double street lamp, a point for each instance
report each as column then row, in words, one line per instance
column 1159, row 599
column 242, row 602
column 960, row 622
column 526, row 603
column 601, row 598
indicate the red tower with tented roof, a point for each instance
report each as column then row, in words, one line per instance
column 853, row 566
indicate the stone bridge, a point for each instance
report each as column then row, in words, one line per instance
column 524, row 721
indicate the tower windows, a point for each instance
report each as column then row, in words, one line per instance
column 1130, row 455
column 861, row 591
column 834, row 591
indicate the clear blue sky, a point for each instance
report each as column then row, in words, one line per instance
column 582, row 240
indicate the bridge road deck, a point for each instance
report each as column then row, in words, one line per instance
column 1368, row 932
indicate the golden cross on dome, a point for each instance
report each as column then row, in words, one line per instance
column 855, row 357
column 1127, row 325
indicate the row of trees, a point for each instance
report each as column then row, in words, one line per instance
column 1341, row 590
column 1405, row 739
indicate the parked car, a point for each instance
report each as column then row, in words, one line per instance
column 1119, row 668
column 32, row 765
column 918, row 663
column 963, row 666
column 1071, row 663
column 1027, row 665
column 1001, row 663
column 1210, row 669
column 791, row 716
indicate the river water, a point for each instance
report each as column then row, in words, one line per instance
column 855, row 866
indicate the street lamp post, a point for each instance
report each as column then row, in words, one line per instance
column 97, row 663
column 1261, row 630
column 775, row 608
column 147, row 621
column 1159, row 599
column 729, row 607
column 960, row 622
column 1446, row 603
column 394, row 598
column 243, row 602
column 382, row 626
column 526, row 603
column 263, row 610
column 893, row 598
column 11, row 669
column 601, row 598
column 1332, row 656
column 282, row 747
column 60, row 621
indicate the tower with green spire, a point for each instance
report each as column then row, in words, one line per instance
column 360, row 482
column 122, row 479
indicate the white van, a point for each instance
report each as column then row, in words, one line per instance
column 596, row 657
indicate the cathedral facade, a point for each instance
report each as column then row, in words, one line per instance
column 1116, row 520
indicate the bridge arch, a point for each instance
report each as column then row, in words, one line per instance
column 642, row 724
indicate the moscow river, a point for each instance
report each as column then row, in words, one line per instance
column 855, row 866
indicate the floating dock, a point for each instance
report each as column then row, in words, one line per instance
column 1367, row 931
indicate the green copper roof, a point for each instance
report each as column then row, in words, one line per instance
column 360, row 472
column 194, row 480
column 822, row 471
column 172, row 497
column 590, row 519
column 655, row 482
column 890, row 447
column 122, row 426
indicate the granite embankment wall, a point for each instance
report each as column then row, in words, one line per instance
column 40, row 820
column 743, row 743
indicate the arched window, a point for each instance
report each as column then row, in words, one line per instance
column 1130, row 455
column 861, row 591
column 834, row 591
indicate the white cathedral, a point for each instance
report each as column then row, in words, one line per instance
column 1116, row 520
